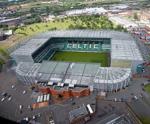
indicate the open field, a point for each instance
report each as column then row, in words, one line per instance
column 90, row 57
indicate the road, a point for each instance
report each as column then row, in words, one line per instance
column 135, row 88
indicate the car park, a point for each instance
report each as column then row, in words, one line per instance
column 132, row 93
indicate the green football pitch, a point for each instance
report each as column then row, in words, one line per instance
column 91, row 57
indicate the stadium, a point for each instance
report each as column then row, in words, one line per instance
column 104, row 60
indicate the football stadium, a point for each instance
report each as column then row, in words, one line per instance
column 100, row 59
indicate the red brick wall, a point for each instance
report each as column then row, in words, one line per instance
column 39, row 105
column 66, row 93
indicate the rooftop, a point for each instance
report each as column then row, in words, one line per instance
column 95, row 10
column 78, row 113
column 8, row 20
column 123, row 21
column 31, row 46
column 73, row 73
column 123, row 46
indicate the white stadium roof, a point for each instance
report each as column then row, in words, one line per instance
column 123, row 46
column 31, row 46
column 79, row 75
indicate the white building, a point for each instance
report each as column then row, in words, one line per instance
column 89, row 11
column 123, row 22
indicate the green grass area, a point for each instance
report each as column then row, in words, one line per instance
column 3, row 52
column 147, row 88
column 3, row 57
column 91, row 57
column 145, row 120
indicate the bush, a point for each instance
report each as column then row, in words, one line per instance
column 1, row 67
column 4, row 53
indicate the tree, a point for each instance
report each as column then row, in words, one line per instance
column 1, row 65
column 32, row 10
column 38, row 19
column 135, row 16
column 119, row 27
column 71, row 26
column 4, row 53
column 4, row 26
column 47, row 10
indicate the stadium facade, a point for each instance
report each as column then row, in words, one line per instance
column 33, row 67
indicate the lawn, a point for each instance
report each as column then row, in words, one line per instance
column 90, row 57
column 145, row 120
column 147, row 88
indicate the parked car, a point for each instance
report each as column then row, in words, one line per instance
column 4, row 94
column 135, row 97
column 2, row 99
column 39, row 115
column 20, row 107
column 29, row 107
column 12, row 86
column 9, row 98
column 26, row 118
column 24, row 92
column 141, row 95
column 33, row 117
